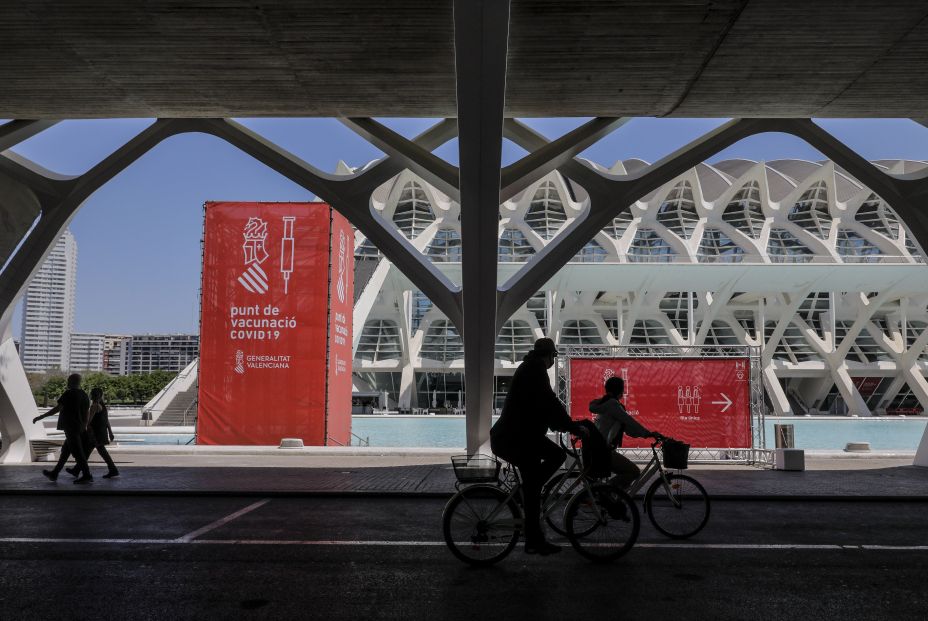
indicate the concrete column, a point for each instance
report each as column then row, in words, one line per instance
column 17, row 405
column 919, row 386
column 916, row 381
column 781, row 406
column 855, row 403
column 407, row 387
column 481, row 36
column 19, row 207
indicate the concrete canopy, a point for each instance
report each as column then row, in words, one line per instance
column 232, row 58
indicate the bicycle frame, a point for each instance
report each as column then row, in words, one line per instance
column 515, row 489
column 564, row 488
column 654, row 467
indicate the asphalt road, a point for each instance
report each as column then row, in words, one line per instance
column 365, row 558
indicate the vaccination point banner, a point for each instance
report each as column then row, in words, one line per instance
column 275, row 324
column 704, row 402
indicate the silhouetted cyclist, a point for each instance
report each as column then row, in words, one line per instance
column 613, row 421
column 520, row 436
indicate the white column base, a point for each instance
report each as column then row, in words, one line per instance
column 17, row 408
column 921, row 455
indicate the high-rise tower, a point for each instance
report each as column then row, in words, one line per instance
column 48, row 310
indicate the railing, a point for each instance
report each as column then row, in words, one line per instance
column 193, row 404
column 746, row 259
column 361, row 441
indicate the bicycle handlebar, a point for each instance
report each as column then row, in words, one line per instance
column 658, row 439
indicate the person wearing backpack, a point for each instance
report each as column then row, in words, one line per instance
column 613, row 421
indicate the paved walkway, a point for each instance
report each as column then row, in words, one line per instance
column 428, row 473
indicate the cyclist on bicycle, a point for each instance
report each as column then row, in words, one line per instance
column 520, row 436
column 613, row 421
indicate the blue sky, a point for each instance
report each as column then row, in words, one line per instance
column 139, row 236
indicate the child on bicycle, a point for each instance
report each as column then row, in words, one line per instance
column 613, row 421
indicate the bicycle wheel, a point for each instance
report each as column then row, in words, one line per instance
column 679, row 509
column 554, row 500
column 480, row 527
column 602, row 523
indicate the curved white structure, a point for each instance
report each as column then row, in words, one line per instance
column 795, row 256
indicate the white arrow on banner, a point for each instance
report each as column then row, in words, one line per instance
column 726, row 402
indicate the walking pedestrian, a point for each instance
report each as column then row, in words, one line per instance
column 99, row 434
column 73, row 409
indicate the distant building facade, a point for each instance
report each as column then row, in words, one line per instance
column 796, row 258
column 120, row 354
column 48, row 310
column 160, row 352
column 86, row 351
column 116, row 354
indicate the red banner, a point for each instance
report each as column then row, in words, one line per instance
column 705, row 402
column 341, row 308
column 264, row 324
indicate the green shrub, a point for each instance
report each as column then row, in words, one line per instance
column 118, row 389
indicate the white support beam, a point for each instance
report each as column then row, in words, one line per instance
column 481, row 39
column 419, row 160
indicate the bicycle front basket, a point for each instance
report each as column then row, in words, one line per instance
column 476, row 468
column 676, row 454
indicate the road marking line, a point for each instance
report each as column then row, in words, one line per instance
column 85, row 540
column 221, row 522
column 749, row 546
column 384, row 543
column 297, row 542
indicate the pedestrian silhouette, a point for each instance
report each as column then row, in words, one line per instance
column 99, row 433
column 520, row 436
column 73, row 410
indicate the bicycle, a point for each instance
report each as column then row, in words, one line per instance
column 676, row 504
column 483, row 521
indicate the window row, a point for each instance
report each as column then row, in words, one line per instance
column 380, row 339
column 546, row 215
column 648, row 246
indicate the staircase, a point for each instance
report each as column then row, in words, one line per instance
column 181, row 411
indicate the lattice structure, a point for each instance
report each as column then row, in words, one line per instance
column 802, row 219
column 741, row 226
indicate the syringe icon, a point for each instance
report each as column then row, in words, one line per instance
column 286, row 251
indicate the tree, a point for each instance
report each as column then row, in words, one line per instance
column 117, row 389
